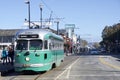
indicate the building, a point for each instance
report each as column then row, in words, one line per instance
column 7, row 37
column 70, row 32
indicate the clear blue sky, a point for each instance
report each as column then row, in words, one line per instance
column 91, row 16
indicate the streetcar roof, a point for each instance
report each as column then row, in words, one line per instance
column 43, row 33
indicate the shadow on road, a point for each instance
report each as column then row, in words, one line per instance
column 116, row 55
column 6, row 68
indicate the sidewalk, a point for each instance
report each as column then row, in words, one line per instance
column 67, row 54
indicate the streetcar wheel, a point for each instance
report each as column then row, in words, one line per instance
column 54, row 66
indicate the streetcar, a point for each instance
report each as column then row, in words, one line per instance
column 38, row 50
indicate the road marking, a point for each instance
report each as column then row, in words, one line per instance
column 108, row 64
column 68, row 69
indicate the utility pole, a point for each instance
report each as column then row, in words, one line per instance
column 58, row 21
column 79, row 38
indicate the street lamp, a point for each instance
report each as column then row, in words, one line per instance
column 41, row 14
column 28, row 2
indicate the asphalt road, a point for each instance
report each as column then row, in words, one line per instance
column 78, row 67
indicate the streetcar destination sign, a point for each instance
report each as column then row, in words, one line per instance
column 29, row 36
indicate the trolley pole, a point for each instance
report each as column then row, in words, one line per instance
column 57, row 27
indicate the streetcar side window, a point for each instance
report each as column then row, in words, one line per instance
column 45, row 44
column 51, row 45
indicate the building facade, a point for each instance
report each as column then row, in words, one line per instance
column 7, row 37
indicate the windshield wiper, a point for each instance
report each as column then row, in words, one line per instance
column 35, row 49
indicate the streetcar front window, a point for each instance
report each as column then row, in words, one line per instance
column 22, row 45
column 36, row 44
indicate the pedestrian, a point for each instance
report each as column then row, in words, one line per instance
column 4, row 55
column 11, row 55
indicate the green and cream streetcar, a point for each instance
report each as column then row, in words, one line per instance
column 37, row 50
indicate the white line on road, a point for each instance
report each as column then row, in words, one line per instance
column 68, row 69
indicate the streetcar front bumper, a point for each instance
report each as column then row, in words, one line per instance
column 28, row 65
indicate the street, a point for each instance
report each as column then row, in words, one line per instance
column 78, row 67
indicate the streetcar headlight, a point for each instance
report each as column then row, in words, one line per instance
column 27, row 58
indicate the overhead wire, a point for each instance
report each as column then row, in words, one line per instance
column 46, row 5
column 52, row 13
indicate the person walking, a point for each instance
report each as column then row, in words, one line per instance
column 11, row 55
column 4, row 55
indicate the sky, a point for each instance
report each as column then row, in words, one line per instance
column 89, row 16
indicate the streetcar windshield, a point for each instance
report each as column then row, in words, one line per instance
column 22, row 45
column 36, row 44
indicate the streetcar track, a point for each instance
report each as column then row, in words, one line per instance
column 18, row 76
column 61, row 68
column 13, row 74
column 13, row 78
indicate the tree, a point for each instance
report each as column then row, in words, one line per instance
column 110, row 35
column 96, row 45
